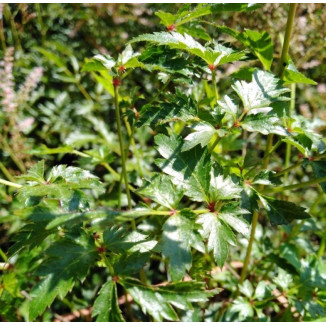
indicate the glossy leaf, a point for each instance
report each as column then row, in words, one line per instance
column 319, row 168
column 69, row 260
column 283, row 212
column 218, row 236
column 263, row 90
column 106, row 306
column 265, row 124
column 161, row 190
column 179, row 235
column 190, row 170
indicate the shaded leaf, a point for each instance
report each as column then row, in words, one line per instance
column 265, row 124
column 162, row 191
column 179, row 235
column 189, row 169
column 106, row 306
column 218, row 235
column 283, row 212
column 263, row 90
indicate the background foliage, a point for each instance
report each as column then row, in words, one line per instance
column 70, row 249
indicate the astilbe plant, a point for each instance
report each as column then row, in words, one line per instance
column 164, row 246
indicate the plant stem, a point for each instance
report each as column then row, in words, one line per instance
column 289, row 168
column 10, row 184
column 284, row 55
column 214, row 84
column 322, row 246
column 123, row 158
column 298, row 185
column 211, row 149
column 288, row 146
column 161, row 90
column 286, row 44
column 6, row 172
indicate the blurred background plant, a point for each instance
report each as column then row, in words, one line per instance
column 48, row 102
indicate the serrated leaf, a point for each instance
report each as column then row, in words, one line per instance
column 291, row 254
column 246, row 289
column 243, row 308
column 266, row 177
column 218, row 235
column 227, row 105
column 120, row 240
column 127, row 57
column 178, row 294
column 35, row 173
column 265, row 124
column 263, row 90
column 106, row 306
column 283, row 279
column 282, row 212
column 319, row 168
column 99, row 62
column 220, row 54
column 68, row 261
column 222, row 188
column 202, row 135
column 231, row 215
column 178, row 236
column 181, row 294
column 150, row 301
column 162, row 191
column 292, row 75
column 190, row 170
column 181, row 108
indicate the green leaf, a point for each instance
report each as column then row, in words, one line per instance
column 68, row 261
column 222, row 188
column 246, row 289
column 263, row 90
column 99, row 62
column 181, row 294
column 227, row 105
column 178, row 294
column 291, row 254
column 265, row 124
column 292, row 75
column 260, row 44
column 319, row 168
column 218, row 235
column 150, row 300
column 231, row 215
column 180, row 108
column 35, row 173
column 162, row 191
column 202, row 135
column 219, row 55
column 106, row 306
column 120, row 240
column 127, row 58
column 190, row 170
column 283, row 279
column 283, row 212
column 178, row 236
column 266, row 177
column 243, row 308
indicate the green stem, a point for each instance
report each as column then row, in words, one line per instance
column 6, row 172
column 322, row 246
column 10, row 184
column 161, row 90
column 287, row 38
column 122, row 152
column 211, row 149
column 288, row 146
column 298, row 185
column 214, row 84
column 284, row 55
column 288, row 169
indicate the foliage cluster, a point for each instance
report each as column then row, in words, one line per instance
column 180, row 177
